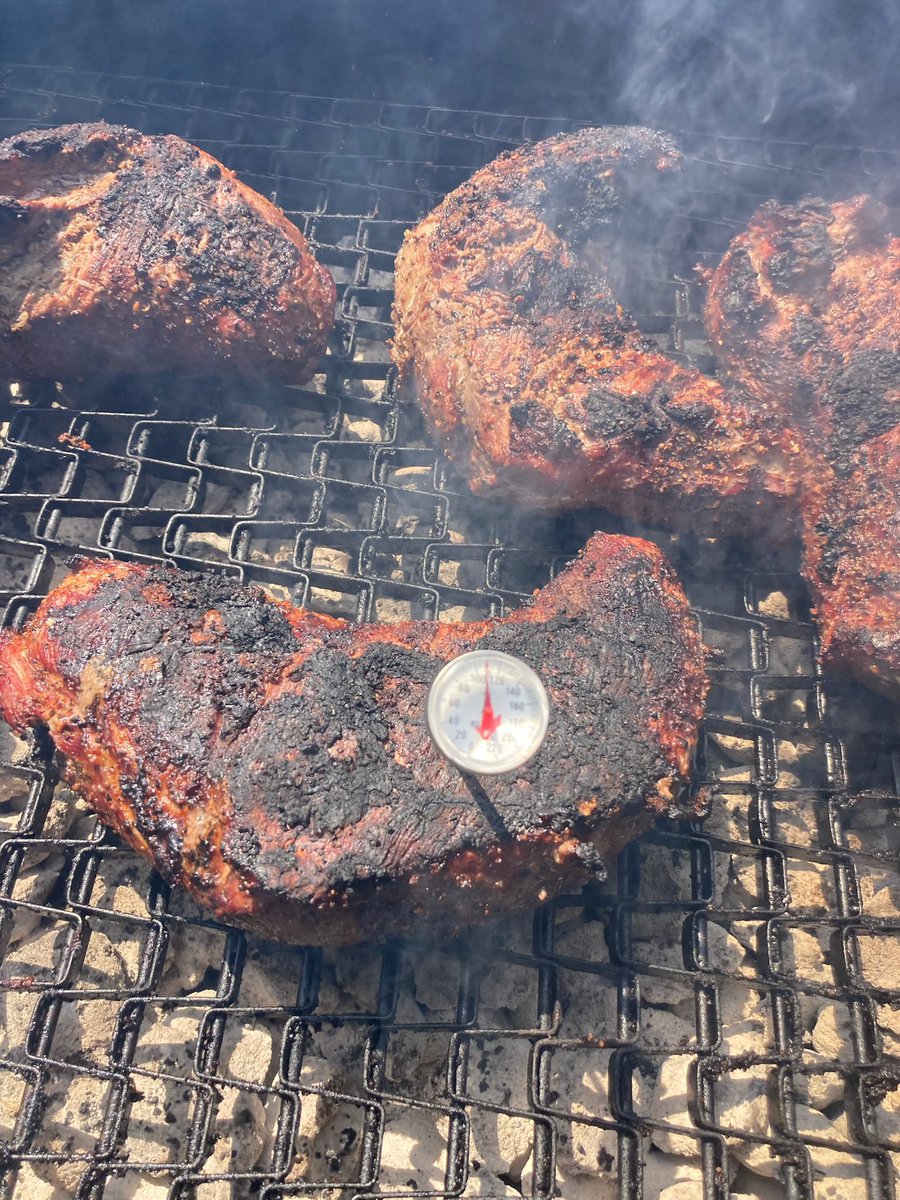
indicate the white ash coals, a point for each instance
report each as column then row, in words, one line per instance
column 333, row 1106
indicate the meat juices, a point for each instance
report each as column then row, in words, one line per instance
column 542, row 389
column 277, row 764
column 125, row 253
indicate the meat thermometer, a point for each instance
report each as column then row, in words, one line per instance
column 488, row 712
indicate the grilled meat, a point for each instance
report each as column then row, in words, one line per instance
column 540, row 387
column 531, row 376
column 120, row 252
column 277, row 763
column 804, row 311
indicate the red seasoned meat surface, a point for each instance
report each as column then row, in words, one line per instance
column 277, row 763
column 120, row 252
column 530, row 375
column 541, row 388
column 804, row 311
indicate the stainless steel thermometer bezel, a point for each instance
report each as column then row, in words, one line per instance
column 469, row 666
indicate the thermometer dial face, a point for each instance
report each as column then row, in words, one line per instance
column 488, row 712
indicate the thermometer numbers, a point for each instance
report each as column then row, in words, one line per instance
column 488, row 711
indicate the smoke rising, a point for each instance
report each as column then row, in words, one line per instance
column 800, row 69
column 787, row 68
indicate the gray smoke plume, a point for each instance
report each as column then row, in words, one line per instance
column 789, row 68
column 783, row 68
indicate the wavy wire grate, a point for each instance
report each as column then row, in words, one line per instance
column 721, row 1016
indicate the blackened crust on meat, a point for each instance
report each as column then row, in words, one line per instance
column 569, row 193
column 531, row 376
column 819, row 285
column 278, row 765
column 803, row 258
column 534, row 429
column 140, row 254
column 612, row 414
column 864, row 399
column 738, row 295
column 806, row 333
column 853, row 563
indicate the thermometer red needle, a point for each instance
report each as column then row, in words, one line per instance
column 490, row 722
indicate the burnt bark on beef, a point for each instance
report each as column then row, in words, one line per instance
column 277, row 763
column 804, row 312
column 120, row 252
column 541, row 388
column 532, row 377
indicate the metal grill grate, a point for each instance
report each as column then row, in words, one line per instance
column 721, row 1016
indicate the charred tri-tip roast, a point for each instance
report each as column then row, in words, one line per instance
column 804, row 313
column 541, row 387
column 121, row 252
column 532, row 377
column 277, row 763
